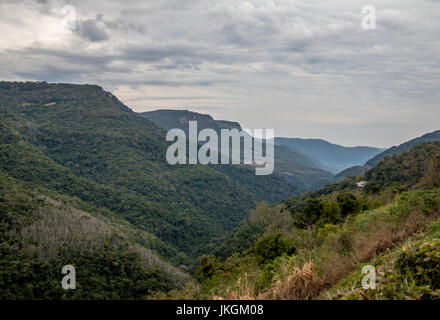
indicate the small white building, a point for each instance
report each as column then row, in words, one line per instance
column 361, row 184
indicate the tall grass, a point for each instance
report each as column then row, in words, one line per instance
column 321, row 261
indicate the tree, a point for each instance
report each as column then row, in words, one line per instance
column 349, row 204
column 270, row 246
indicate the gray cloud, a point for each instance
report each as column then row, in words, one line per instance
column 88, row 29
column 304, row 67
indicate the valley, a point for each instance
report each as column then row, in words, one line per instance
column 84, row 180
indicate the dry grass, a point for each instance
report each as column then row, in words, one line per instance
column 297, row 283
column 380, row 238
column 242, row 290
column 336, row 259
column 300, row 283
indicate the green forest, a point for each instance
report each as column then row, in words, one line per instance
column 84, row 182
column 315, row 245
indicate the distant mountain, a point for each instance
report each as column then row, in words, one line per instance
column 169, row 119
column 359, row 170
column 333, row 157
column 417, row 167
column 305, row 172
column 351, row 172
column 42, row 230
column 82, row 142
column 429, row 137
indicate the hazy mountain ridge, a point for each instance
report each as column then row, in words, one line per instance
column 83, row 142
column 406, row 146
column 170, row 119
column 333, row 157
column 428, row 137
column 303, row 171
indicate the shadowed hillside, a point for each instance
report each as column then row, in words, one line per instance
column 314, row 246
column 81, row 141
column 304, row 172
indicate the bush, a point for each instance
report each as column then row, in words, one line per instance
column 208, row 266
column 421, row 264
column 271, row 246
column 349, row 204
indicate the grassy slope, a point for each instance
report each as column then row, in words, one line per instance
column 391, row 282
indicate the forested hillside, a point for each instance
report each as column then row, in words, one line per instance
column 170, row 119
column 359, row 170
column 314, row 246
column 429, row 137
column 302, row 171
column 84, row 181
column 80, row 142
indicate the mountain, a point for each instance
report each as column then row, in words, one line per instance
column 84, row 182
column 315, row 246
column 351, row 172
column 169, row 119
column 304, row 172
column 429, row 137
column 359, row 170
column 41, row 231
column 334, row 158
column 82, row 142
column 417, row 168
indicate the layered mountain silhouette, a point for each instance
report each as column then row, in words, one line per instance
column 81, row 141
column 406, row 146
column 84, row 181
column 305, row 172
column 332, row 157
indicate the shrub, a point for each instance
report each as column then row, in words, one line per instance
column 349, row 204
column 271, row 246
column 422, row 264
column 208, row 266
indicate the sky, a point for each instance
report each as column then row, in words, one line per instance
column 305, row 68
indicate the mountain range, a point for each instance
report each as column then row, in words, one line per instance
column 82, row 142
column 406, row 146
column 332, row 157
column 84, row 181
column 304, row 172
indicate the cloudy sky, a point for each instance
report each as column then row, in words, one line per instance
column 304, row 67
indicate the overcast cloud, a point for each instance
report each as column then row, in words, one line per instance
column 305, row 68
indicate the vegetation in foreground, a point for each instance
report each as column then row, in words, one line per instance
column 313, row 247
column 83, row 182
